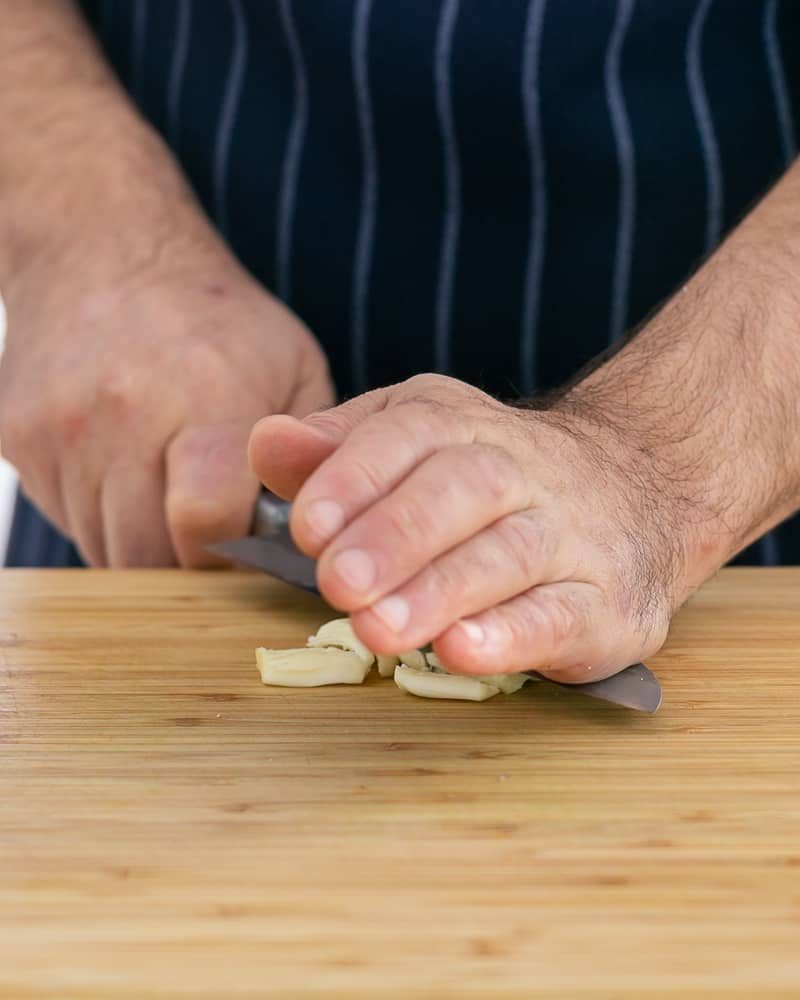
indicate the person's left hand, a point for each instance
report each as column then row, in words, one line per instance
column 513, row 539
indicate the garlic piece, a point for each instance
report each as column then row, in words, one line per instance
column 427, row 684
column 386, row 665
column 415, row 659
column 339, row 633
column 434, row 662
column 335, row 655
column 507, row 683
column 310, row 667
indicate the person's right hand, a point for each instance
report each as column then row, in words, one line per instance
column 127, row 394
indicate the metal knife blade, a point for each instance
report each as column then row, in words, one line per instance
column 634, row 687
column 270, row 549
column 275, row 555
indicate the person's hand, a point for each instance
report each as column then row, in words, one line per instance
column 127, row 394
column 513, row 539
column 139, row 352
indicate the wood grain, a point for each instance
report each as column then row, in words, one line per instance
column 171, row 828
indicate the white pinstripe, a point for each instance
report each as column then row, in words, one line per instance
column 452, row 185
column 180, row 51
column 531, row 109
column 770, row 549
column 369, row 196
column 770, row 543
column 777, row 79
column 230, row 108
column 294, row 150
column 623, row 141
column 140, row 14
column 705, row 126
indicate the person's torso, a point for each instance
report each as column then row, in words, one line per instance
column 496, row 190
column 492, row 189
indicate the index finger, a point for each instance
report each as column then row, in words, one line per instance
column 377, row 455
column 210, row 492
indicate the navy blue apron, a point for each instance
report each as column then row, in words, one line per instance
column 493, row 190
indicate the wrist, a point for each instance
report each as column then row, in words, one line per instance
column 116, row 201
column 701, row 401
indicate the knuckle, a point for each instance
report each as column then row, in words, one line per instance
column 205, row 360
column 449, row 578
column 191, row 514
column 339, row 421
column 565, row 618
column 441, row 386
column 367, row 475
column 193, row 446
column 550, row 621
column 409, row 520
column 120, row 389
column 520, row 622
column 71, row 419
column 422, row 383
column 329, row 422
column 425, row 417
column 525, row 542
column 497, row 472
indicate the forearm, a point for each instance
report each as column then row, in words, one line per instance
column 710, row 390
column 77, row 163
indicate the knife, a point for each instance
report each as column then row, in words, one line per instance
column 269, row 547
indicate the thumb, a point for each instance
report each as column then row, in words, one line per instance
column 210, row 492
column 285, row 451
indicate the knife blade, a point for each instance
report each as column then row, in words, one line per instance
column 270, row 548
column 634, row 687
column 274, row 555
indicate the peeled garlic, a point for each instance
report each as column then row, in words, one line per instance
column 427, row 684
column 310, row 667
column 335, row 655
column 386, row 665
column 414, row 658
column 507, row 683
column 339, row 633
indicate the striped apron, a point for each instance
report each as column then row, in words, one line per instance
column 496, row 190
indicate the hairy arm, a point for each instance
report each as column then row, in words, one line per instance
column 77, row 162
column 561, row 536
column 710, row 392
column 139, row 351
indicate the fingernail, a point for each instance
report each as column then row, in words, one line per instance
column 325, row 518
column 356, row 567
column 474, row 632
column 394, row 612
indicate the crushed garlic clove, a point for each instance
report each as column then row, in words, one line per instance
column 415, row 659
column 339, row 633
column 386, row 665
column 427, row 684
column 310, row 667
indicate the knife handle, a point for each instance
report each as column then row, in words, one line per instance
column 270, row 515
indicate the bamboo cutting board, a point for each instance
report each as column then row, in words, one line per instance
column 171, row 828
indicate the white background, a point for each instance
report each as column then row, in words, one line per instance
column 8, row 478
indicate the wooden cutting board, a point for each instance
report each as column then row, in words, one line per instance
column 171, row 828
